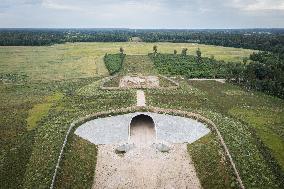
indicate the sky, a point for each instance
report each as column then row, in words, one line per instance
column 154, row 14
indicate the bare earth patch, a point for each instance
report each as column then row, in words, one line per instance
column 139, row 81
column 145, row 167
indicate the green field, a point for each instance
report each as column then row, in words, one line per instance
column 81, row 60
column 46, row 88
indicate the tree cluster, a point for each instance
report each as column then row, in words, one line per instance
column 265, row 73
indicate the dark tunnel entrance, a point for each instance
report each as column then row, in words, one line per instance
column 142, row 130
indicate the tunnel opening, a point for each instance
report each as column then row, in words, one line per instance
column 142, row 130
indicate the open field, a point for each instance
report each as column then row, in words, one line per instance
column 78, row 60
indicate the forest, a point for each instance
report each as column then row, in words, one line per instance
column 259, row 39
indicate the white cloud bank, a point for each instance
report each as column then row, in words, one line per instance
column 142, row 13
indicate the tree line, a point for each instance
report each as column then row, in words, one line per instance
column 271, row 40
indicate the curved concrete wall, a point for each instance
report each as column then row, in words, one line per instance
column 115, row 129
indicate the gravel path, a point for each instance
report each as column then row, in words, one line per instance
column 145, row 168
column 114, row 130
column 218, row 80
column 141, row 100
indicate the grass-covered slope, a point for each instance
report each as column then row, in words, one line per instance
column 24, row 108
column 78, row 165
column 50, row 135
column 212, row 165
column 257, row 153
column 138, row 65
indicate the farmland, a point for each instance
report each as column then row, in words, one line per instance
column 44, row 89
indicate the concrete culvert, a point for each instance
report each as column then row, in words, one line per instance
column 142, row 130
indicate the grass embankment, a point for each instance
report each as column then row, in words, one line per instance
column 24, row 107
column 78, row 165
column 49, row 137
column 40, row 110
column 212, row 165
column 255, row 157
column 138, row 65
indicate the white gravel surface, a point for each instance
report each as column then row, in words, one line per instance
column 114, row 130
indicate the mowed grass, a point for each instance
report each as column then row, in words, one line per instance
column 78, row 60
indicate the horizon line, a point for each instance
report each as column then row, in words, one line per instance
column 123, row 28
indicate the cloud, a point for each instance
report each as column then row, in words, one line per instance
column 142, row 13
column 258, row 5
column 52, row 4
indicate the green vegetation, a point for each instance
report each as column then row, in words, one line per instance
column 190, row 66
column 82, row 60
column 78, row 165
column 261, row 39
column 257, row 159
column 212, row 165
column 138, row 65
column 41, row 110
column 49, row 137
column 44, row 89
column 268, row 125
column 114, row 62
column 163, row 82
column 17, row 138
column 265, row 73
column 113, row 82
column 57, row 62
